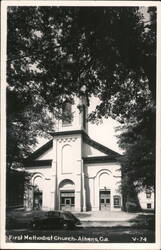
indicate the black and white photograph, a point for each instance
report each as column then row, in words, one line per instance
column 80, row 125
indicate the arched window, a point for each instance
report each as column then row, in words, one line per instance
column 67, row 114
column 38, row 182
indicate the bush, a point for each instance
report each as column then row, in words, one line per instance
column 131, row 206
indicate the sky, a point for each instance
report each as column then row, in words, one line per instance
column 104, row 132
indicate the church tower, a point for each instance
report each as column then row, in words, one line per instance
column 74, row 116
column 68, row 174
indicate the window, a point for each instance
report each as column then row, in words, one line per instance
column 117, row 202
column 148, row 194
column 62, row 200
column 53, row 214
column 68, row 201
column 67, row 114
column 148, row 205
column 72, row 200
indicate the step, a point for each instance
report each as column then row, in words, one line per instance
column 106, row 223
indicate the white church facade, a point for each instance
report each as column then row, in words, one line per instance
column 72, row 171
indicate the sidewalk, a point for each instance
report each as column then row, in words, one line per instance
column 107, row 218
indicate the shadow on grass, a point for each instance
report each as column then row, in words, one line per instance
column 21, row 219
column 144, row 221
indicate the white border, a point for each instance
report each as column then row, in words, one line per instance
column 5, row 245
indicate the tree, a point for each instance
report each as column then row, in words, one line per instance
column 25, row 121
column 139, row 142
column 53, row 51
column 138, row 135
column 102, row 48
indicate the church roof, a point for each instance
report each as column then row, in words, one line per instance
column 99, row 146
column 99, row 159
column 110, row 155
column 41, row 150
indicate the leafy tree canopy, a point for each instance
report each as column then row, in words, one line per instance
column 53, row 51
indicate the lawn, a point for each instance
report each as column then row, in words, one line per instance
column 21, row 219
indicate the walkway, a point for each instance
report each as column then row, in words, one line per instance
column 105, row 215
column 107, row 218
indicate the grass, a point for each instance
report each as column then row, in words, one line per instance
column 22, row 219
column 144, row 221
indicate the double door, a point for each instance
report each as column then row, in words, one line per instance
column 67, row 200
column 105, row 199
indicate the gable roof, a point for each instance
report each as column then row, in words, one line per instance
column 38, row 163
column 110, row 155
column 99, row 146
column 40, row 151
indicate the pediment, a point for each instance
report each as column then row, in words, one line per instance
column 46, row 155
column 42, row 153
column 90, row 151
column 94, row 148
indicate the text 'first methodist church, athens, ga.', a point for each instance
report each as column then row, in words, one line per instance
column 72, row 171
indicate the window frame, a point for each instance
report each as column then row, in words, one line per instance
column 148, row 194
column 119, row 201
column 147, row 205
column 67, row 107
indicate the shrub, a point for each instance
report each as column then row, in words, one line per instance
column 131, row 206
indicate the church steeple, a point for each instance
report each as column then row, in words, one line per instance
column 74, row 115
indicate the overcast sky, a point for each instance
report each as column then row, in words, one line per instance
column 104, row 132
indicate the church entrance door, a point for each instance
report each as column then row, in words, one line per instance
column 105, row 199
column 67, row 200
column 37, row 204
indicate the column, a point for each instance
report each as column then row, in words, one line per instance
column 96, row 193
column 53, row 192
column 83, row 191
column 112, row 201
column 78, row 193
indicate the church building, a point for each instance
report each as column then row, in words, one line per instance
column 72, row 171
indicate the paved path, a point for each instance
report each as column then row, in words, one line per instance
column 106, row 215
column 107, row 218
